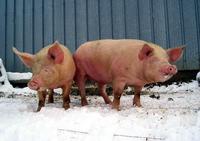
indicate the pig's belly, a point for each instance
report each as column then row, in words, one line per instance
column 97, row 73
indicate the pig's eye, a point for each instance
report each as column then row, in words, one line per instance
column 46, row 70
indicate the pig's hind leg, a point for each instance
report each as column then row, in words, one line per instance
column 42, row 97
column 102, row 92
column 80, row 81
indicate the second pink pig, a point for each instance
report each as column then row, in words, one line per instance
column 121, row 63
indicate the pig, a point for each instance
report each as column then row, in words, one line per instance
column 52, row 67
column 125, row 62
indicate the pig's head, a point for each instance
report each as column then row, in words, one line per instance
column 156, row 62
column 44, row 65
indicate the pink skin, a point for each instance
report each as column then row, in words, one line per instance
column 123, row 62
column 35, row 83
column 52, row 67
column 169, row 70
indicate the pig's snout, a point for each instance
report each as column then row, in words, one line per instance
column 169, row 70
column 34, row 84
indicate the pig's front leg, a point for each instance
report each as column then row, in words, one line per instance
column 66, row 98
column 102, row 92
column 41, row 96
column 118, row 88
column 136, row 99
column 50, row 99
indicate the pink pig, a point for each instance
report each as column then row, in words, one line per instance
column 52, row 67
column 123, row 62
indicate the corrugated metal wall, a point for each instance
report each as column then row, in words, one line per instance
column 31, row 24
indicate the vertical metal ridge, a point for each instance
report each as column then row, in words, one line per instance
column 53, row 24
column 23, row 47
column 14, row 32
column 5, row 40
column 64, row 10
column 111, row 11
column 99, row 19
column 43, row 23
column 87, row 30
column 166, row 23
column 75, row 24
column 125, row 28
column 23, row 42
column 138, row 16
column 152, row 20
column 198, row 26
column 33, row 26
column 182, row 30
column 182, row 21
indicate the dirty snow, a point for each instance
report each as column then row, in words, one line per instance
column 175, row 116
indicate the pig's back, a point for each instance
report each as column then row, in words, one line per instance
column 100, row 59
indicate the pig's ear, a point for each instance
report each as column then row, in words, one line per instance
column 26, row 58
column 145, row 52
column 175, row 53
column 55, row 53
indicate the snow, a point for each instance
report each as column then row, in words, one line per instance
column 3, row 76
column 177, row 119
column 175, row 88
column 13, row 76
column 198, row 78
column 5, row 86
column 198, row 75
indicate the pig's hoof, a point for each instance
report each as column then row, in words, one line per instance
column 116, row 107
column 137, row 105
column 66, row 106
column 108, row 101
column 84, row 102
column 38, row 109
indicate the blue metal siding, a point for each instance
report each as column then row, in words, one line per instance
column 81, row 22
column 48, row 22
column 10, row 34
column 2, row 29
column 105, row 13
column 30, row 25
column 175, row 26
column 93, row 19
column 118, row 19
column 132, row 19
column 191, row 57
column 70, row 28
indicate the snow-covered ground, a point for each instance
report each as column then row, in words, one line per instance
column 175, row 116
column 14, row 76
